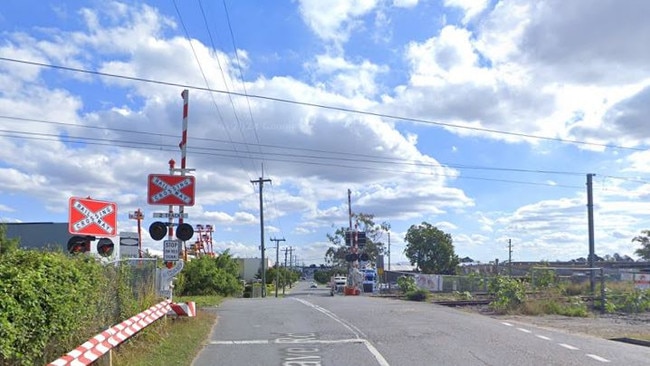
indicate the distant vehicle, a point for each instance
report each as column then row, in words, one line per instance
column 313, row 285
column 337, row 283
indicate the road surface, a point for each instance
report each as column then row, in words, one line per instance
column 308, row 327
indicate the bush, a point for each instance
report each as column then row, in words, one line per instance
column 406, row 284
column 51, row 302
column 418, row 295
column 508, row 293
column 634, row 301
column 554, row 306
column 203, row 276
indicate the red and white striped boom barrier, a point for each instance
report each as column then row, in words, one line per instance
column 100, row 344
column 183, row 309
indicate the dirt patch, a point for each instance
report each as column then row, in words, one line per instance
column 608, row 326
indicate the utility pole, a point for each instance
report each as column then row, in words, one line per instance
column 285, row 268
column 291, row 257
column 509, row 257
column 350, row 207
column 277, row 263
column 261, row 182
column 590, row 223
column 389, row 250
column 290, row 262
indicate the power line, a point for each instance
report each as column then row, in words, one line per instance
column 382, row 160
column 344, row 154
column 207, row 83
column 322, row 106
column 159, row 147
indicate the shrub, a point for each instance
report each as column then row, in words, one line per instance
column 554, row 306
column 635, row 301
column 406, row 284
column 418, row 295
column 508, row 293
column 465, row 295
column 203, row 276
column 51, row 302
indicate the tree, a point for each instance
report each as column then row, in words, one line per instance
column 644, row 239
column 335, row 254
column 431, row 249
column 209, row 276
column 7, row 245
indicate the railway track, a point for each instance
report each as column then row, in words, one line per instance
column 455, row 303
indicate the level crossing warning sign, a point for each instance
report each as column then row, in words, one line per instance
column 92, row 217
column 176, row 190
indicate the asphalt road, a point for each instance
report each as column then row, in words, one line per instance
column 308, row 327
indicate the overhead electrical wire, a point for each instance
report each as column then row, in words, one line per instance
column 158, row 147
column 207, row 83
column 359, row 157
column 322, row 106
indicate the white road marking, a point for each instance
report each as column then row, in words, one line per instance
column 597, row 358
column 508, row 324
column 378, row 356
column 543, row 337
column 568, row 346
column 524, row 330
column 296, row 341
column 253, row 341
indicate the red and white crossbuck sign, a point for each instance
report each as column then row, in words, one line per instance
column 176, row 190
column 92, row 217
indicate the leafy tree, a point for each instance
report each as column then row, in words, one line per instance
column 7, row 245
column 285, row 276
column 644, row 239
column 208, row 276
column 430, row 249
column 226, row 262
column 335, row 254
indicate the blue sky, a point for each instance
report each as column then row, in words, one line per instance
column 480, row 117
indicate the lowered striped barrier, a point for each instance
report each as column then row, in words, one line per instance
column 103, row 342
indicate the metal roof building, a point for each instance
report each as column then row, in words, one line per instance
column 40, row 235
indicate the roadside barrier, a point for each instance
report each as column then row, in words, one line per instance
column 183, row 309
column 100, row 344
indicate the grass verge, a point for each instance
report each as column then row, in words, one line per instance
column 170, row 341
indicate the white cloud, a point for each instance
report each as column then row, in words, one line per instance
column 334, row 20
column 346, row 78
column 470, row 7
column 405, row 3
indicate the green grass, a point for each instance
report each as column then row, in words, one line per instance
column 170, row 341
column 201, row 301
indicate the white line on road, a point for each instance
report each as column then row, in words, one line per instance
column 295, row 341
column 508, row 324
column 597, row 358
column 254, row 341
column 568, row 346
column 543, row 337
column 378, row 356
column 524, row 330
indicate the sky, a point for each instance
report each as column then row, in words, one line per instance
column 480, row 117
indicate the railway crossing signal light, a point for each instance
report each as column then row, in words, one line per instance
column 361, row 239
column 105, row 247
column 351, row 257
column 79, row 244
column 157, row 230
column 184, row 232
